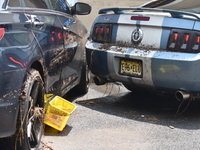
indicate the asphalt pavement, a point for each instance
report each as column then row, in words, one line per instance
column 111, row 118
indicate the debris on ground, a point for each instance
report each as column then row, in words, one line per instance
column 44, row 146
column 171, row 127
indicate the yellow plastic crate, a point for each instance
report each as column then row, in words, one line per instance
column 58, row 112
column 48, row 97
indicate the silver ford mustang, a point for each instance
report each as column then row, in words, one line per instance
column 153, row 47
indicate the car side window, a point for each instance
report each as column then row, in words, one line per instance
column 60, row 5
column 28, row 3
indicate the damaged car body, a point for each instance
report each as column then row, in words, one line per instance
column 148, row 48
column 42, row 51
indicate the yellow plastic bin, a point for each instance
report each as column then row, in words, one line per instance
column 48, row 97
column 58, row 112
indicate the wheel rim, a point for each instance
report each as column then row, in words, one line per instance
column 35, row 120
column 34, row 131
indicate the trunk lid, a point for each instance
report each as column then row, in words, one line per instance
column 150, row 28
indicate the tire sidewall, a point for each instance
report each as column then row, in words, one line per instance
column 32, row 76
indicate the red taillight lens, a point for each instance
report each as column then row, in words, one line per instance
column 107, row 31
column 96, row 31
column 186, row 38
column 173, row 40
column 185, row 41
column 175, row 37
column 197, row 39
column 102, row 33
column 196, row 43
column 2, row 32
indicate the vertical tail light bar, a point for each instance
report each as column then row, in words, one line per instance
column 2, row 32
column 185, row 41
column 196, row 44
column 197, row 39
column 102, row 33
column 175, row 37
column 186, row 38
column 173, row 40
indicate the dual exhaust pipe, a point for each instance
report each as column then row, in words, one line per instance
column 180, row 95
column 99, row 81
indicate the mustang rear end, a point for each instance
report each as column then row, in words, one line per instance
column 146, row 48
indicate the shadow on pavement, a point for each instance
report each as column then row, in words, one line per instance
column 49, row 131
column 157, row 109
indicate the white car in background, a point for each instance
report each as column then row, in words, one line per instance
column 72, row 2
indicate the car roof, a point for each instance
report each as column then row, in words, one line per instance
column 183, row 5
column 4, row 4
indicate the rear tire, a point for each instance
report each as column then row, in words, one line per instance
column 30, row 120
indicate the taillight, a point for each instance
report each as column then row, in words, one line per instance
column 102, row 33
column 175, row 37
column 196, row 43
column 186, row 38
column 173, row 40
column 2, row 32
column 184, row 41
column 197, row 39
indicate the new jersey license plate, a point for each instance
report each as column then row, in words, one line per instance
column 131, row 68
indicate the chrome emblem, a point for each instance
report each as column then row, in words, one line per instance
column 137, row 36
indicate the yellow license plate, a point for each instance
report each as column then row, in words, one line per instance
column 131, row 68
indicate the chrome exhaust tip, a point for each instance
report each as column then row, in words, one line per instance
column 182, row 95
column 99, row 81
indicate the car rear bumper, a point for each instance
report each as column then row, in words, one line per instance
column 160, row 69
column 10, row 85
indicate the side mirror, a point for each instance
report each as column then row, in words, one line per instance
column 81, row 9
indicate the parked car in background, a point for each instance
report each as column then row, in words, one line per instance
column 42, row 50
column 148, row 48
